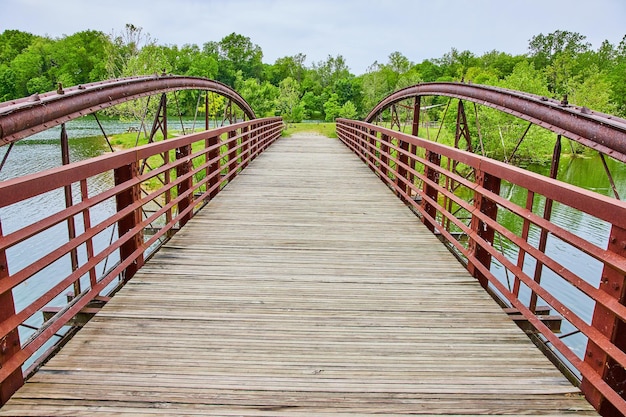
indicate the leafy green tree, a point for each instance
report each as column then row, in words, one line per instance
column 124, row 47
column 499, row 63
column 79, row 58
column 456, row 63
column 260, row 96
column 330, row 71
column 236, row 53
column 289, row 66
column 526, row 78
column 399, row 63
column 288, row 102
column 7, row 83
column 33, row 63
column 313, row 106
column 544, row 49
column 332, row 108
column 615, row 77
column 348, row 110
column 593, row 91
column 13, row 43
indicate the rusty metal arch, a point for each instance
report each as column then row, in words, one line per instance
column 27, row 116
column 602, row 132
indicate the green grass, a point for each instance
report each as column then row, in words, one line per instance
column 324, row 129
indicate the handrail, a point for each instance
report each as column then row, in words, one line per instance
column 457, row 192
column 146, row 207
column 27, row 116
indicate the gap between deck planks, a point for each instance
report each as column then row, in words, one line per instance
column 304, row 288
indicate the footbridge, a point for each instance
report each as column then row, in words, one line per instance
column 234, row 271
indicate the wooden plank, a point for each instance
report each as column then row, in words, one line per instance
column 304, row 288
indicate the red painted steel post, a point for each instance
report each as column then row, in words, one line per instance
column 232, row 152
column 403, row 162
column 372, row 147
column 125, row 199
column 613, row 283
column 10, row 344
column 429, row 190
column 384, row 156
column 415, row 132
column 479, row 228
column 246, row 146
column 183, row 169
column 213, row 171
column 71, row 227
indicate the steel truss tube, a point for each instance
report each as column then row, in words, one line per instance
column 603, row 132
column 30, row 115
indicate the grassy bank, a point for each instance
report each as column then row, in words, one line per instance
column 323, row 129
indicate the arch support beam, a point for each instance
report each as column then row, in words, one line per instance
column 602, row 132
column 30, row 115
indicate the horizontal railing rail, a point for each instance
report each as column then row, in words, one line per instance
column 151, row 191
column 458, row 196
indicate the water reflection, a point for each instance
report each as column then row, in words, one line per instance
column 588, row 173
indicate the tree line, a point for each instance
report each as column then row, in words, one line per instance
column 560, row 64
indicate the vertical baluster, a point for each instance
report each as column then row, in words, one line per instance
column 384, row 157
column 429, row 190
column 183, row 168
column 613, row 283
column 127, row 198
column 71, row 226
column 10, row 344
column 246, row 146
column 213, row 170
column 481, row 229
column 87, row 225
column 530, row 197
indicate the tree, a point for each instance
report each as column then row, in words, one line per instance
column 332, row 108
column 593, row 91
column 7, row 83
column 289, row 66
column 33, row 63
column 331, row 70
column 545, row 48
column 13, row 43
column 348, row 110
column 260, row 96
column 124, row 47
column 288, row 102
column 455, row 64
column 399, row 63
column 237, row 53
column 79, row 58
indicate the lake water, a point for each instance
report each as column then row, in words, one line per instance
column 42, row 151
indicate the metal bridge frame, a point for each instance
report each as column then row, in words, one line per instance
column 188, row 171
column 413, row 168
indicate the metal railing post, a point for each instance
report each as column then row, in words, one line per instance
column 479, row 228
column 125, row 199
column 246, row 146
column 384, row 156
column 10, row 344
column 183, row 169
column 214, row 168
column 403, row 162
column 613, row 283
column 429, row 190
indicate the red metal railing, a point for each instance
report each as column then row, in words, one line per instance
column 457, row 194
column 153, row 190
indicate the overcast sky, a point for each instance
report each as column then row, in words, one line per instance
column 362, row 31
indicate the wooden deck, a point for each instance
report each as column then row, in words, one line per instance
column 304, row 288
